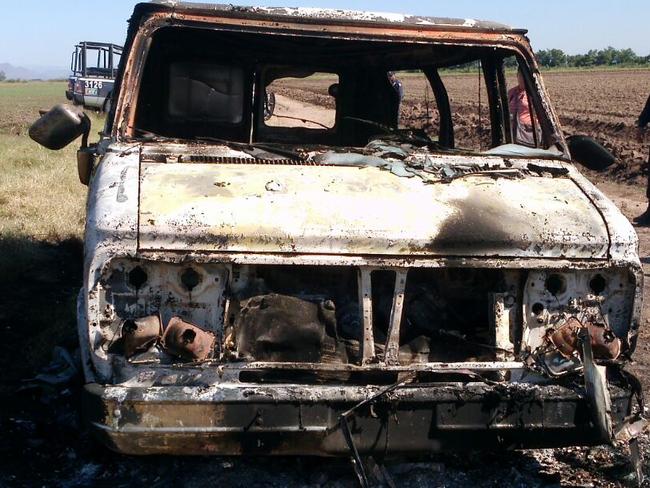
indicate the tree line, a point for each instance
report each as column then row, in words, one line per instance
column 554, row 58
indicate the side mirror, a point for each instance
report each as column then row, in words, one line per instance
column 588, row 152
column 60, row 126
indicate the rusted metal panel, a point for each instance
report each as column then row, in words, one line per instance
column 140, row 334
column 188, row 341
column 111, row 230
column 604, row 344
column 333, row 16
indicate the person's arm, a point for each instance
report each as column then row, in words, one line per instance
column 644, row 118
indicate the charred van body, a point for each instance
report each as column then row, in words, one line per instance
column 353, row 284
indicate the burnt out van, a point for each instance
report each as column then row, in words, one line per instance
column 343, row 277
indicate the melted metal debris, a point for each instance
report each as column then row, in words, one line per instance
column 403, row 158
column 406, row 160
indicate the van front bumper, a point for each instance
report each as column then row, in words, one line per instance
column 234, row 419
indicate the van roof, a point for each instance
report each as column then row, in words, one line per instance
column 326, row 16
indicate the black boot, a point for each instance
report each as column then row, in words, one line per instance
column 644, row 218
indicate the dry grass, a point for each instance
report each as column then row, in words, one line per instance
column 20, row 102
column 41, row 226
column 40, row 193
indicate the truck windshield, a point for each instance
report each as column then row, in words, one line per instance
column 271, row 89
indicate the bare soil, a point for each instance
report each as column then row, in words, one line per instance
column 602, row 104
column 290, row 112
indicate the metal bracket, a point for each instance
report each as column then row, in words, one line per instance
column 365, row 303
column 596, row 389
column 391, row 354
column 501, row 325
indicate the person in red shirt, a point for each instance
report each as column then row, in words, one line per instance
column 522, row 123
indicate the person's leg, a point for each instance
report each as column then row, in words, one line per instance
column 399, row 113
column 647, row 188
column 644, row 218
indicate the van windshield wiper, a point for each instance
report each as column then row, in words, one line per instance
column 304, row 121
column 148, row 136
column 257, row 150
column 392, row 134
column 452, row 173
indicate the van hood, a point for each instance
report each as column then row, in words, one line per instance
column 366, row 210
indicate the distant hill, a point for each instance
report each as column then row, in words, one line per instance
column 33, row 72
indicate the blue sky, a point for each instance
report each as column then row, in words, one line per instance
column 43, row 32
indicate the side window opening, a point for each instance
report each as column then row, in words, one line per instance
column 117, row 58
column 525, row 128
column 491, row 104
column 415, row 102
column 469, row 105
column 306, row 100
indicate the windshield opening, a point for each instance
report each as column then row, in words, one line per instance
column 259, row 88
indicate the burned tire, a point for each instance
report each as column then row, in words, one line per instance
column 590, row 152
